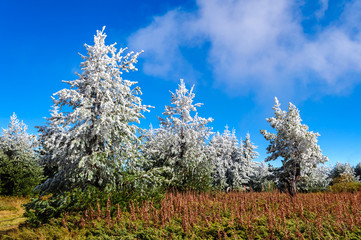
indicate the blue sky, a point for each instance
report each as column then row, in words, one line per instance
column 240, row 54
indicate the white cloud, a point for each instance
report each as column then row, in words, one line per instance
column 257, row 46
column 161, row 42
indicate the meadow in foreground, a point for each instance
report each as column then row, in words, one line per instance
column 190, row 215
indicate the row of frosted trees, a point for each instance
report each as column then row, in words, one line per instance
column 231, row 164
column 180, row 145
column 92, row 138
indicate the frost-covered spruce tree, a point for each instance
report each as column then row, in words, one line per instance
column 244, row 167
column 294, row 144
column 358, row 170
column 343, row 173
column 315, row 179
column 19, row 166
column 260, row 180
column 179, row 144
column 90, row 138
column 16, row 141
column 233, row 163
column 223, row 150
column 248, row 150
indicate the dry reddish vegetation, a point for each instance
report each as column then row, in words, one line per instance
column 239, row 215
column 233, row 215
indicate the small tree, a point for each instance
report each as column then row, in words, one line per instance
column 179, row 145
column 261, row 178
column 358, row 170
column 294, row 144
column 233, row 163
column 245, row 166
column 315, row 179
column 223, row 149
column 19, row 167
column 343, row 173
column 91, row 136
column 344, row 178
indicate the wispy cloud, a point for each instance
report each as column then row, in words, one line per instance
column 162, row 42
column 324, row 6
column 257, row 46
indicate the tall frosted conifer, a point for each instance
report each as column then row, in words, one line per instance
column 294, row 144
column 179, row 145
column 90, row 138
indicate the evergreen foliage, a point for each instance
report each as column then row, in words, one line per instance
column 294, row 144
column 91, row 136
column 343, row 173
column 245, row 169
column 314, row 179
column 233, row 162
column 179, row 144
column 358, row 170
column 224, row 150
column 261, row 179
column 19, row 168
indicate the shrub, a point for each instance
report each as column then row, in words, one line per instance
column 345, row 187
column 44, row 208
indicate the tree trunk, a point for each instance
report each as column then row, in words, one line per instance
column 292, row 181
column 292, row 189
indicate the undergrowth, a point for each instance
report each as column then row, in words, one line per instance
column 191, row 215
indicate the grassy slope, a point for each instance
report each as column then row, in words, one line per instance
column 11, row 213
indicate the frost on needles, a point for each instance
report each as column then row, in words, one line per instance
column 15, row 141
column 179, row 145
column 90, row 138
column 19, row 166
column 233, row 162
column 293, row 142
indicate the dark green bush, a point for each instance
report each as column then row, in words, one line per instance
column 19, row 174
column 43, row 209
